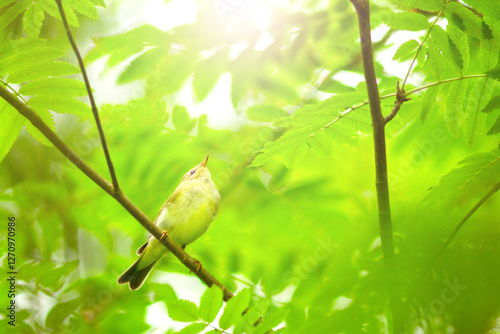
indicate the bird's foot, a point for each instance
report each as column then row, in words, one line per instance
column 164, row 234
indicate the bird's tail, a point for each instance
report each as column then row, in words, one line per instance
column 136, row 277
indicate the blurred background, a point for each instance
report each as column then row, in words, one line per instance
column 176, row 80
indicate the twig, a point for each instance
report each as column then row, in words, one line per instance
column 116, row 187
column 423, row 41
column 378, row 123
column 175, row 249
column 493, row 190
column 400, row 99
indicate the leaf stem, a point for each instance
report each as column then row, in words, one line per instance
column 192, row 264
column 116, row 187
column 423, row 42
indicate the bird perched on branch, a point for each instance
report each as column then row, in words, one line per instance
column 184, row 217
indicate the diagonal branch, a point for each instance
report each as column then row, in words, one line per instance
column 116, row 187
column 117, row 194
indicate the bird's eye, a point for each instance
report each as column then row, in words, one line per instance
column 192, row 172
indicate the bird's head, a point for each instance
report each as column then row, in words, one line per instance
column 200, row 171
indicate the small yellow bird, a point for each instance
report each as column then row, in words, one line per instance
column 185, row 216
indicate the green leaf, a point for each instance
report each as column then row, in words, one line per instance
column 477, row 168
column 11, row 13
column 210, row 303
column 33, row 19
column 265, row 113
column 62, row 105
column 4, row 3
column 455, row 106
column 54, row 87
column 494, row 74
column 181, row 119
column 488, row 55
column 122, row 46
column 245, row 324
column 207, row 73
column 194, row 328
column 406, row 49
column 486, row 7
column 24, row 58
column 234, row 308
column 60, row 312
column 16, row 46
column 84, row 7
column 182, row 310
column 429, row 101
column 495, row 128
column 461, row 42
column 447, row 47
column 472, row 22
column 10, row 127
column 406, row 21
column 435, row 59
column 492, row 105
column 43, row 69
column 271, row 321
column 50, row 7
column 427, row 5
column 475, row 120
column 142, row 65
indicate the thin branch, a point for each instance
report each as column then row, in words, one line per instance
column 378, row 123
column 116, row 187
column 175, row 249
column 493, row 190
column 423, row 42
column 473, row 76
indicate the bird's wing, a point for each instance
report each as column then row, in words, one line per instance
column 167, row 203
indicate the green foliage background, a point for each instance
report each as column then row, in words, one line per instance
column 297, row 224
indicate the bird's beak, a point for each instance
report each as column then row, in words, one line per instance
column 204, row 163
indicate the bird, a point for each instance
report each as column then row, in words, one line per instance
column 184, row 217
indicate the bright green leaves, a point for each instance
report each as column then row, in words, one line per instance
column 210, row 304
column 318, row 126
column 181, row 119
column 247, row 321
column 234, row 308
column 406, row 49
column 455, row 106
column 475, row 170
column 33, row 19
column 34, row 12
column 29, row 62
column 54, row 87
column 429, row 101
column 43, row 69
column 463, row 17
column 406, row 21
column 475, row 120
column 10, row 126
column 182, row 310
column 235, row 313
column 122, row 46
